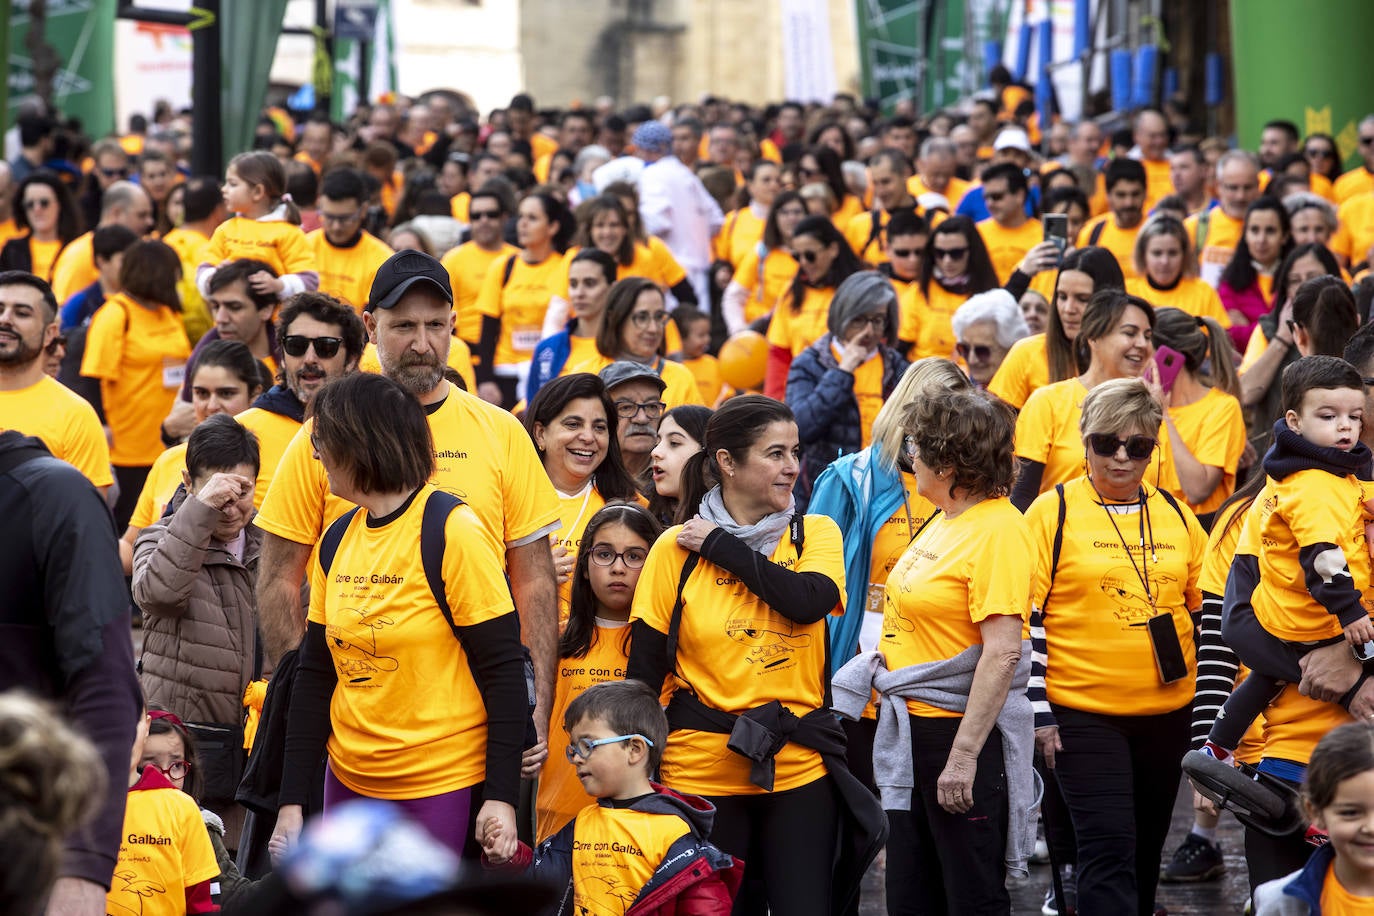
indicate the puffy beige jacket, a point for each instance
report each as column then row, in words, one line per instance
column 199, row 615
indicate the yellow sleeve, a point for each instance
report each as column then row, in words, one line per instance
column 747, row 272
column 1222, row 437
column 999, row 582
column 529, row 500
column 1197, row 558
column 489, row 299
column 657, row 588
column 1035, row 432
column 460, row 361
column 1011, row 381
column 217, row 250
column 720, row 245
column 197, row 854
column 1313, row 513
column 823, row 552
column 294, row 251
column 318, row 588
column 146, row 510
column 87, row 449
column 669, row 272
column 474, row 579
column 105, row 343
column 294, row 506
column 911, row 306
column 681, row 385
column 1254, row 349
column 780, row 326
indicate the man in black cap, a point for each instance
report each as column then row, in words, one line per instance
column 482, row 455
column 637, row 391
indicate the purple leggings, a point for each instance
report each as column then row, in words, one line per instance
column 446, row 816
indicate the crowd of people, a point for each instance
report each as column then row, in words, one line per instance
column 674, row 507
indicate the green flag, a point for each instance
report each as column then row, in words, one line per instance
column 82, row 34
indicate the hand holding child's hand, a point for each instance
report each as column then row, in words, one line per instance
column 496, row 832
column 263, row 283
column 1360, row 632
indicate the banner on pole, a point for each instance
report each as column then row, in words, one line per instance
column 82, row 34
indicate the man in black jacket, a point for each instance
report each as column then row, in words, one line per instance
column 65, row 626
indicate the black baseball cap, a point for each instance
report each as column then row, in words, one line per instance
column 400, row 272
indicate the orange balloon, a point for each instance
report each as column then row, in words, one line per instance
column 744, row 360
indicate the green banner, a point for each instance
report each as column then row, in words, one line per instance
column 1324, row 42
column 890, row 57
column 81, row 32
column 349, row 62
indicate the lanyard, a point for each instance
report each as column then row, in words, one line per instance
column 1142, row 571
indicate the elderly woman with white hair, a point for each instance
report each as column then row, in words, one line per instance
column 588, row 160
column 985, row 327
column 837, row 385
column 1312, row 218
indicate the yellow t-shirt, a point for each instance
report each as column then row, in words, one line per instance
column 954, row 191
column 927, row 320
column 561, row 794
column 1159, row 184
column 1355, row 233
column 520, row 304
column 408, row 720
column 280, row 245
column 1191, row 295
column 1305, row 508
column 868, row 391
column 467, row 267
column 706, row 370
column 458, row 206
column 139, row 355
column 739, row 234
column 956, row 573
column 615, row 853
column 735, row 652
column 1120, row 242
column 1337, row 901
column 583, row 356
column 1099, row 657
column 574, row 511
column 894, row 537
column 1025, row 369
column 1047, row 432
column 159, row 486
column 1006, row 247
column 1213, row 428
column 483, row 456
column 659, row 266
column 1356, row 182
column 72, row 271
column 795, row 331
column 274, row 433
column 682, row 384
column 347, row 273
column 190, row 247
column 766, row 287
column 1293, row 724
column 459, row 360
column 1223, row 234
column 64, row 421
column 164, row 850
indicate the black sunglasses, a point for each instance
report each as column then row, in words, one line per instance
column 475, row 215
column 1138, row 448
column 297, row 344
column 951, row 253
column 981, row 352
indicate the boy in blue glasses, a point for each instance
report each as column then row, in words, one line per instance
column 642, row 848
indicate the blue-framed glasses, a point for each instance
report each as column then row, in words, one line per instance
column 585, row 746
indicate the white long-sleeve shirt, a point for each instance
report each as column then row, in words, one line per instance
column 675, row 206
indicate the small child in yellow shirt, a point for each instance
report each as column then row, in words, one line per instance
column 694, row 326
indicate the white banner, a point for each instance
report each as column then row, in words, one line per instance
column 154, row 65
column 807, row 59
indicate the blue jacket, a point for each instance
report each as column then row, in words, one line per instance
column 550, row 356
column 1298, row 893
column 860, row 493
column 821, row 394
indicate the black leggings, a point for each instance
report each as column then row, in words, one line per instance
column 130, row 480
column 787, row 842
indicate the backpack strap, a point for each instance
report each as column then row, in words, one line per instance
column 923, row 526
column 11, row 459
column 1096, row 235
column 508, row 269
column 1058, row 542
column 329, row 544
column 1169, row 498
column 438, row 508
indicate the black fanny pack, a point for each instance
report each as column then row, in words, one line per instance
column 757, row 735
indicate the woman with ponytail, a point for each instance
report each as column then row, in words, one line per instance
column 1202, row 412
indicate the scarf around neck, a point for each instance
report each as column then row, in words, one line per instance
column 763, row 536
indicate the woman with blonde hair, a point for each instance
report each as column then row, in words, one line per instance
column 1167, row 275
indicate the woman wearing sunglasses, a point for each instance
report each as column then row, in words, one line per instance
column 1114, row 343
column 838, row 384
column 1114, row 603
column 633, row 328
column 802, row 313
column 954, row 267
column 986, row 327
column 46, row 219
column 1324, row 157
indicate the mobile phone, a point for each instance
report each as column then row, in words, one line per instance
column 1364, row 653
column 1057, row 230
column 1168, row 364
column 1167, row 648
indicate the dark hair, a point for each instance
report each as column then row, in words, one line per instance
column 488, row 194
column 342, row 183
column 828, row 162
column 1288, row 127
column 970, row 432
column 586, row 216
column 263, row 169
column 376, row 431
column 220, row 443
column 238, row 272
column 846, row 262
column 1119, row 170
column 1311, row 372
column 612, row 480
column 628, row 708
column 620, row 303
column 1015, row 176
column 735, row 427
column 772, row 235
column 200, row 198
column 609, row 267
column 982, row 276
column 1240, row 273
column 1204, row 343
column 813, row 139
column 194, row 783
column 684, row 316
column 1342, row 753
column 894, row 158
column 580, row 632
column 1316, row 250
column 1333, row 169
column 1359, row 350
column 1048, row 179
column 1325, row 308
column 1104, row 310
column 1071, row 196
column 234, row 356
column 302, row 184
column 326, row 310
column 905, row 221
column 693, row 419
column 1104, row 269
column 69, row 221
column 150, row 273
column 24, row 278
column 556, row 212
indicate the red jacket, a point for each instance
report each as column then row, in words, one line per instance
column 694, row 879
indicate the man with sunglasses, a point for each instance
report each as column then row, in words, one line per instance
column 1008, row 232
column 467, row 265
column 346, row 255
column 1356, row 182
column 637, row 391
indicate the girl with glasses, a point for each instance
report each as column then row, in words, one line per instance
column 46, row 219
column 635, row 328
column 594, row 646
column 573, row 424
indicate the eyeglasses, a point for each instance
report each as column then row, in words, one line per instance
column 297, row 344
column 873, row 321
column 649, row 319
column 584, row 747
column 340, row 218
column 1365, row 141
column 628, row 410
column 980, row 352
column 994, row 198
column 39, row 203
column 952, row 254
column 1138, row 448
column 605, row 556
column 475, row 215
column 177, row 769
column 114, row 173
column 58, row 343
column 1321, row 154
column 903, row 252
